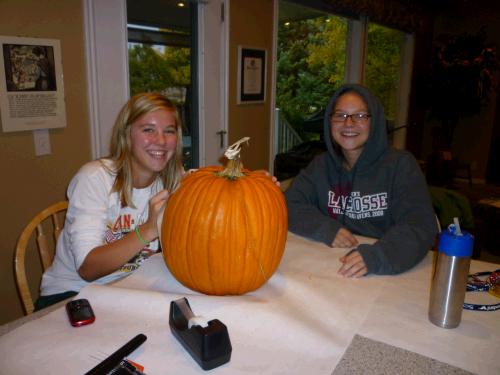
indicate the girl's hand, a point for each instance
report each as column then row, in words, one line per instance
column 273, row 178
column 344, row 238
column 149, row 229
column 353, row 265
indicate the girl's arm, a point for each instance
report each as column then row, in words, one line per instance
column 105, row 259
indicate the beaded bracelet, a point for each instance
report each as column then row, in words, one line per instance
column 143, row 241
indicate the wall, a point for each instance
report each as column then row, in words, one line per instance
column 29, row 182
column 251, row 25
column 472, row 136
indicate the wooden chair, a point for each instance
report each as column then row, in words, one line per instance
column 44, row 249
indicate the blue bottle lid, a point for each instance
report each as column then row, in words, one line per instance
column 453, row 244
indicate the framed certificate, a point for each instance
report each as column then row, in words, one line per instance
column 251, row 75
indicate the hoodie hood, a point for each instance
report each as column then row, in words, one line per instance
column 376, row 144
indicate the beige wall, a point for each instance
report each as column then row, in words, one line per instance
column 251, row 25
column 29, row 182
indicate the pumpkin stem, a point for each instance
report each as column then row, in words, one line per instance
column 234, row 165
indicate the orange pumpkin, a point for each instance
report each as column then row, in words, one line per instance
column 224, row 231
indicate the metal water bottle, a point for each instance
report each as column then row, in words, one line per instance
column 450, row 277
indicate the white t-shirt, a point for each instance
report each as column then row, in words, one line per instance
column 95, row 217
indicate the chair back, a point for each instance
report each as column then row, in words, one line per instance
column 45, row 251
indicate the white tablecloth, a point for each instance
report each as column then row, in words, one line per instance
column 300, row 322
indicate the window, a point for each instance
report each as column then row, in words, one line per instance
column 311, row 65
column 319, row 51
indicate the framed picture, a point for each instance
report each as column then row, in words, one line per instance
column 251, row 75
column 31, row 84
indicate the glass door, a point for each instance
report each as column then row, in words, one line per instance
column 162, row 58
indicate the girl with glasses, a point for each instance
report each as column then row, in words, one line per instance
column 361, row 186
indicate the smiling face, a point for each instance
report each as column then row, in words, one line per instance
column 350, row 135
column 153, row 140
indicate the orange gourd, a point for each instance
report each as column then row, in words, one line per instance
column 224, row 230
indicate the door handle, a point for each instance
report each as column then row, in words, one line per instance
column 221, row 135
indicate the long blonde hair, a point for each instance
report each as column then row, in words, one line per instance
column 121, row 144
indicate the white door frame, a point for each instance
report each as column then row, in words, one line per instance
column 273, row 139
column 107, row 68
column 213, row 46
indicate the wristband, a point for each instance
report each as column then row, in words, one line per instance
column 143, row 241
column 491, row 285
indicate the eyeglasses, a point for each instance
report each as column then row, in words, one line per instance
column 357, row 118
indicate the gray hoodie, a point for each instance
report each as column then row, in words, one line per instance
column 383, row 196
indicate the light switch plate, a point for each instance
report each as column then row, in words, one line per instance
column 42, row 142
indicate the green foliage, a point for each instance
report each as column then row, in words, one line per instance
column 152, row 70
column 311, row 59
column 383, row 65
column 311, row 65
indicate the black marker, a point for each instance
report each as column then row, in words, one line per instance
column 114, row 359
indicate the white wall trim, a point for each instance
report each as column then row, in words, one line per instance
column 92, row 93
column 105, row 24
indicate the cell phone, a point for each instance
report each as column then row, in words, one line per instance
column 80, row 312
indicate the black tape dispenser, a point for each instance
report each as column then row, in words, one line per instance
column 207, row 342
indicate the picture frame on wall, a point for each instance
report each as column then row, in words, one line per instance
column 252, row 72
column 31, row 84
